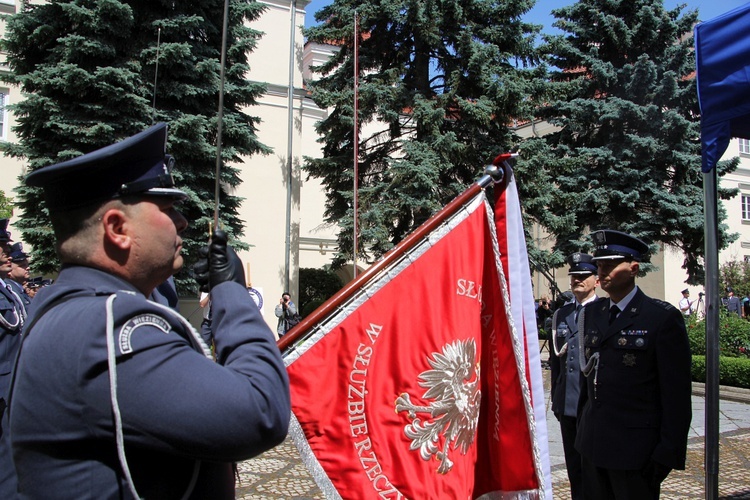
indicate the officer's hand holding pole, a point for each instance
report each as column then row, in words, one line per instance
column 219, row 263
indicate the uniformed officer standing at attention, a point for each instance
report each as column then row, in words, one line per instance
column 635, row 412
column 19, row 272
column 12, row 316
column 115, row 395
column 564, row 363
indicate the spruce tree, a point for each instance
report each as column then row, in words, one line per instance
column 87, row 70
column 440, row 83
column 627, row 153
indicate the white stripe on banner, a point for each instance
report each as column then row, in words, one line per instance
column 522, row 305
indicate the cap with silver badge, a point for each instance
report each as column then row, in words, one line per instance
column 134, row 166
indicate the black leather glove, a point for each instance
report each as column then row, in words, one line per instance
column 655, row 473
column 200, row 269
column 218, row 263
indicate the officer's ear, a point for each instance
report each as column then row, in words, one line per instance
column 635, row 266
column 115, row 223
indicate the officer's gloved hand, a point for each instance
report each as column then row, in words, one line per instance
column 200, row 270
column 655, row 473
column 218, row 263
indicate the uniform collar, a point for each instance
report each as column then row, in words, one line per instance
column 623, row 304
column 587, row 301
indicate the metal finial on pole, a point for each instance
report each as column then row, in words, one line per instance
column 220, row 127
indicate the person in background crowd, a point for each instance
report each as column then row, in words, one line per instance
column 634, row 414
column 686, row 305
column 33, row 285
column 544, row 314
column 12, row 317
column 115, row 395
column 732, row 302
column 564, row 363
column 286, row 311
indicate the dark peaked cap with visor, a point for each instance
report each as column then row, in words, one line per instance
column 581, row 263
column 612, row 244
column 137, row 165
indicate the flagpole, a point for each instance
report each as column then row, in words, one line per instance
column 356, row 147
column 498, row 173
column 220, row 126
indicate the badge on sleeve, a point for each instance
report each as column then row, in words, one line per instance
column 133, row 323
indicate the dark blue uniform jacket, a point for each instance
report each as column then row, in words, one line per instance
column 637, row 407
column 181, row 411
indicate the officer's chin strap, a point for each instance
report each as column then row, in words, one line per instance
column 112, row 365
column 558, row 352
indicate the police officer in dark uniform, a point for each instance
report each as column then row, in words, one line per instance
column 564, row 362
column 115, row 395
column 635, row 412
column 19, row 272
column 12, row 317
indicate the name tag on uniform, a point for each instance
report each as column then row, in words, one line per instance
column 634, row 332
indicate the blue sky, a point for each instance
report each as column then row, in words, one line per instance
column 540, row 14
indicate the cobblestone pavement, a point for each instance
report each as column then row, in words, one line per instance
column 279, row 473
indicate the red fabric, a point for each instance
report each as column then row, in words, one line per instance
column 345, row 387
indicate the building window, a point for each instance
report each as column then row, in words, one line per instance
column 3, row 114
column 746, row 207
column 745, row 146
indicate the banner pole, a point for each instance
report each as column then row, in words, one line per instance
column 499, row 173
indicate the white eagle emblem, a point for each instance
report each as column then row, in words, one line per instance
column 454, row 384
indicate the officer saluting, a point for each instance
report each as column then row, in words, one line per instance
column 635, row 412
column 115, row 396
column 564, row 364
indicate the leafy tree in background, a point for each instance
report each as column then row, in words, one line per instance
column 6, row 206
column 87, row 71
column 315, row 287
column 735, row 274
column 627, row 152
column 439, row 83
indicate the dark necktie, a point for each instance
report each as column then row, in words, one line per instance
column 578, row 311
column 613, row 312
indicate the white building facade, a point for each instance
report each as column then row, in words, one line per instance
column 283, row 211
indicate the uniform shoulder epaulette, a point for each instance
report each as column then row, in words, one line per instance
column 597, row 300
column 662, row 304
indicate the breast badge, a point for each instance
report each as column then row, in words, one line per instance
column 628, row 359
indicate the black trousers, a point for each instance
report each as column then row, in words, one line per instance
column 572, row 457
column 612, row 484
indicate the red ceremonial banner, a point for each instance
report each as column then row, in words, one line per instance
column 416, row 387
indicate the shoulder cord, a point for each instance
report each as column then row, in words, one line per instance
column 558, row 352
column 112, row 364
column 18, row 308
column 593, row 362
column 11, row 326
